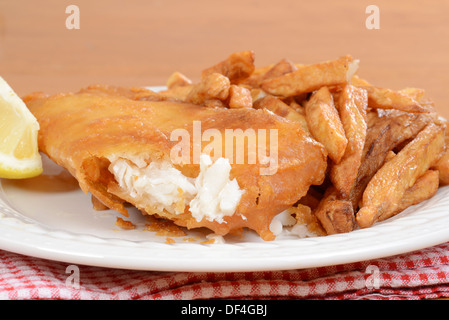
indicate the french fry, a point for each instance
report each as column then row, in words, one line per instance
column 239, row 97
column 324, row 123
column 383, row 135
column 177, row 79
column 279, row 69
column 384, row 98
column 387, row 187
column 424, row 188
column 309, row 78
column 443, row 168
column 407, row 99
column 442, row 165
column 352, row 106
column 237, row 66
column 334, row 214
column 280, row 108
column 255, row 78
column 214, row 86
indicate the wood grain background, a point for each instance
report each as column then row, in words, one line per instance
column 141, row 42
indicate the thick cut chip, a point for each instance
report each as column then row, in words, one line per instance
column 352, row 106
column 177, row 79
column 386, row 189
column 280, row 108
column 442, row 164
column 213, row 87
column 424, row 188
column 239, row 97
column 324, row 123
column 407, row 99
column 279, row 69
column 238, row 66
column 384, row 98
column 385, row 132
column 443, row 168
column 334, row 214
column 309, row 78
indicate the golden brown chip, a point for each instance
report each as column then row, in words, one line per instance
column 384, row 98
column 308, row 78
column 177, row 79
column 324, row 123
column 424, row 188
column 407, row 99
column 443, row 168
column 280, row 108
column 238, row 66
column 255, row 78
column 279, row 69
column 352, row 106
column 384, row 133
column 334, row 214
column 386, row 189
column 239, row 97
column 442, row 165
column 214, row 86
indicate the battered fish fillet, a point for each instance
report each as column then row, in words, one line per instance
column 118, row 145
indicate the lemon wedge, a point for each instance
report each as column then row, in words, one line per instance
column 19, row 154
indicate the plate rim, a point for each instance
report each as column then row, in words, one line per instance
column 86, row 249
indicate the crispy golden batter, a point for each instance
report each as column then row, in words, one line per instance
column 81, row 131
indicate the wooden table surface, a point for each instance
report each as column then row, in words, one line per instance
column 142, row 42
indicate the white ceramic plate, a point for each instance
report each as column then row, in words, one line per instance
column 50, row 217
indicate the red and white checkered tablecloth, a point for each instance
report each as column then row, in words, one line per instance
column 422, row 274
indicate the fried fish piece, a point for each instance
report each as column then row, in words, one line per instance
column 120, row 150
